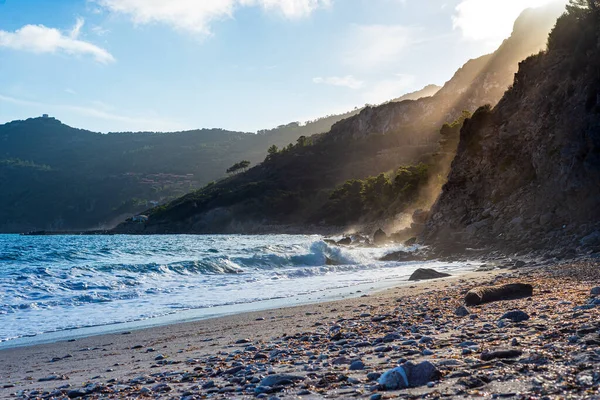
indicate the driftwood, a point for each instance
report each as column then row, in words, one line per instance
column 488, row 294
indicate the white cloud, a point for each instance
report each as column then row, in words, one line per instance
column 348, row 81
column 389, row 89
column 490, row 21
column 77, row 28
column 41, row 39
column 372, row 46
column 196, row 15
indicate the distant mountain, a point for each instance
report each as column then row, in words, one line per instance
column 54, row 177
column 297, row 185
column 427, row 91
column 527, row 173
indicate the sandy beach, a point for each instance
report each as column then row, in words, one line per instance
column 338, row 349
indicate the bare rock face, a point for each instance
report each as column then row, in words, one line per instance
column 527, row 172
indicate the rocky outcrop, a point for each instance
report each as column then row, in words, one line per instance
column 527, row 172
column 291, row 187
column 480, row 81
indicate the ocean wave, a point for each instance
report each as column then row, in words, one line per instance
column 57, row 282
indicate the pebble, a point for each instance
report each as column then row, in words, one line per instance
column 555, row 355
column 462, row 311
column 357, row 366
column 515, row 316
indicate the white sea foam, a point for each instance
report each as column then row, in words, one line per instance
column 54, row 283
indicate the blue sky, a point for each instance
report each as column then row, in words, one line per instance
column 128, row 65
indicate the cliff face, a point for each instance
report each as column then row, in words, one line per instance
column 527, row 173
column 480, row 81
column 293, row 186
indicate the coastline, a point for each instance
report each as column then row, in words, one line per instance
column 82, row 357
column 552, row 352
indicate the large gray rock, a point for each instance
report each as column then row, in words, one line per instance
column 380, row 237
column 409, row 375
column 426, row 273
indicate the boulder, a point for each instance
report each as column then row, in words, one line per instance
column 345, row 241
column 409, row 375
column 380, row 237
column 410, row 242
column 402, row 256
column 426, row 273
column 488, row 294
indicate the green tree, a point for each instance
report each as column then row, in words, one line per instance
column 237, row 167
column 377, row 192
column 580, row 7
column 303, row 141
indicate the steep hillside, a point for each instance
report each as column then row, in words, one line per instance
column 55, row 177
column 427, row 91
column 527, row 172
column 294, row 186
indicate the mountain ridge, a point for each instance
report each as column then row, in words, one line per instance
column 527, row 173
column 292, row 186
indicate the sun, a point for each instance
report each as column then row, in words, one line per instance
column 491, row 21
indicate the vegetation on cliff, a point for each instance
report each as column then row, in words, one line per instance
column 55, row 177
column 350, row 173
column 527, row 171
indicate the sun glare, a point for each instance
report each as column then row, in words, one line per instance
column 491, row 21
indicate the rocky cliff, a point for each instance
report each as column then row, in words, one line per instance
column 480, row 81
column 527, row 172
column 292, row 187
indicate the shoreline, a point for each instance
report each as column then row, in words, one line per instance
column 73, row 354
column 313, row 349
column 220, row 311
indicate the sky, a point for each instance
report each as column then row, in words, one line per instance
column 167, row 65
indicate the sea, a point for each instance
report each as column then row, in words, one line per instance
column 61, row 287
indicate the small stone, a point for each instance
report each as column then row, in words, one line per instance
column 595, row 291
column 161, row 388
column 515, row 316
column 373, row 376
column 500, row 353
column 357, row 366
column 376, row 396
column 280, row 379
column 462, row 311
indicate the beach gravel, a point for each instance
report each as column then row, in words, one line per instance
column 541, row 347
